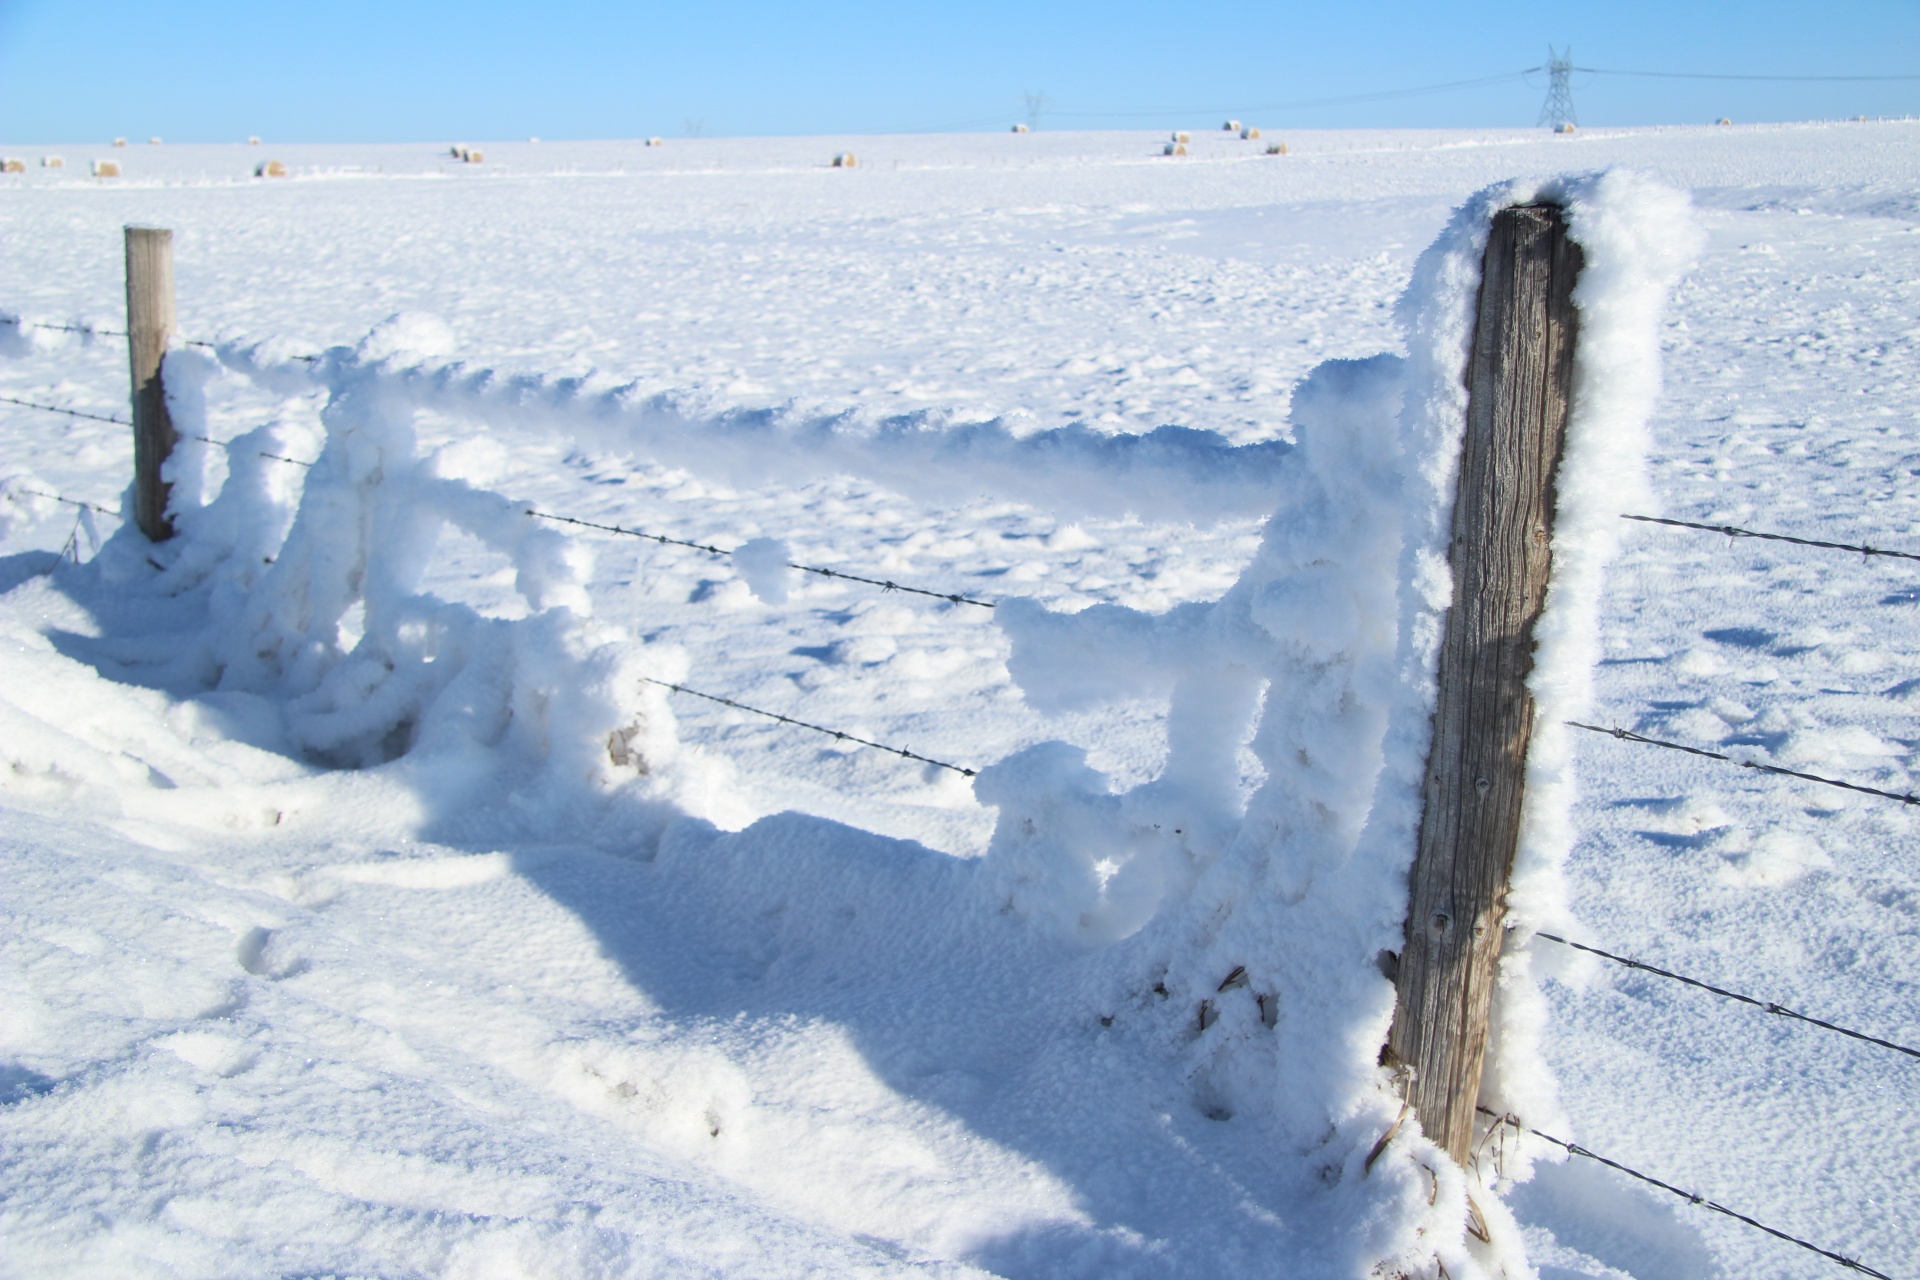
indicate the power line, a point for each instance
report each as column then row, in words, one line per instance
column 1733, row 532
column 1627, row 735
column 1689, row 1196
column 1703, row 75
column 1766, row 1005
column 802, row 724
column 1303, row 103
column 882, row 583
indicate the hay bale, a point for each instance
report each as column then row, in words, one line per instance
column 153, row 142
column 1174, row 149
column 1723, row 120
column 1250, row 133
column 270, row 169
column 1566, row 126
column 656, row 142
column 1020, row 128
column 119, row 142
column 53, row 162
column 1276, row 148
column 1182, row 137
column 13, row 164
column 106, row 168
column 1231, row 126
column 253, row 139
column 474, row 155
column 846, row 160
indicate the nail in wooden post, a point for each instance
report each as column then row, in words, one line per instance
column 149, row 329
column 1519, row 384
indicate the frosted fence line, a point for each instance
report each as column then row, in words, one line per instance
column 1272, row 913
column 1170, row 473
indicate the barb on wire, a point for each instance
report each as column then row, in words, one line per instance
column 1690, row 1197
column 1766, row 1005
column 1627, row 735
column 1733, row 532
column 804, row 568
column 71, row 413
column 802, row 724
column 72, row 502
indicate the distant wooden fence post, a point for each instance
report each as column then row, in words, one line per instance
column 149, row 329
column 1519, row 383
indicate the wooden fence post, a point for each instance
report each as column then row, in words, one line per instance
column 1519, row 383
column 149, row 329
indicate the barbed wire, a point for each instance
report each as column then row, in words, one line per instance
column 716, row 551
column 1732, row 531
column 18, row 323
column 1766, row 1005
column 72, row 502
column 1690, row 1197
column 71, row 413
column 902, row 752
column 228, row 445
column 1627, row 735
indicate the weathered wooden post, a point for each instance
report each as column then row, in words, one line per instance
column 1519, row 381
column 149, row 329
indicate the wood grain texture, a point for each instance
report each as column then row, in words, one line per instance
column 1519, row 384
column 149, row 330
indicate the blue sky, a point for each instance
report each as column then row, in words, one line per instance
column 417, row 70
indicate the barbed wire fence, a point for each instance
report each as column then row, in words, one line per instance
column 1501, row 1122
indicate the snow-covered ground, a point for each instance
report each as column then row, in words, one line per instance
column 766, row 1015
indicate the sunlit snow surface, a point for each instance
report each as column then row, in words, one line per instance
column 258, row 1019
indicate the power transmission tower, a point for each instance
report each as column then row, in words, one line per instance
column 1036, row 103
column 1558, row 113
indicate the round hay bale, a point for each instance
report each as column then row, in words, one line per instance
column 13, row 164
column 1250, row 133
column 53, row 162
column 1174, row 149
column 846, row 160
column 1231, row 126
column 119, row 142
column 270, row 169
column 1276, row 148
column 106, row 168
column 1020, row 128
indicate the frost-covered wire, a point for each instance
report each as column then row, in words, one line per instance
column 71, row 413
column 1627, row 735
column 1733, row 532
column 1766, row 1005
column 902, row 752
column 1690, row 1197
column 804, row 568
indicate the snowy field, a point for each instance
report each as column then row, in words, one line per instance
column 720, row 996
